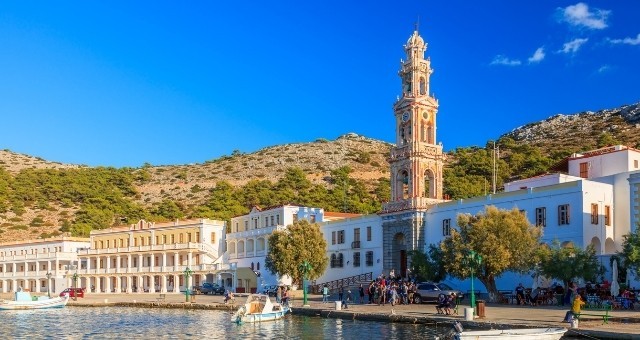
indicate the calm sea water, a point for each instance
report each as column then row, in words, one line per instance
column 144, row 323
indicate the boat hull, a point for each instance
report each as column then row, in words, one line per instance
column 261, row 317
column 57, row 302
column 525, row 333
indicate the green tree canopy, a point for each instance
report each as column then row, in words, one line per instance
column 428, row 266
column 504, row 238
column 631, row 250
column 568, row 263
column 289, row 248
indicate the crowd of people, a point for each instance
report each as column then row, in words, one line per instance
column 383, row 290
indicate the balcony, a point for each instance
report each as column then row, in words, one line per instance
column 355, row 245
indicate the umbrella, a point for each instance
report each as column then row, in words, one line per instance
column 615, row 287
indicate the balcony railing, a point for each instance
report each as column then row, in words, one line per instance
column 355, row 245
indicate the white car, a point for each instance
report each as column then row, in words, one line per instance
column 429, row 291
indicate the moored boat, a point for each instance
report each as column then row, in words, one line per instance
column 549, row 333
column 258, row 308
column 24, row 300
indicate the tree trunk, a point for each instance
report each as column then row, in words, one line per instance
column 489, row 283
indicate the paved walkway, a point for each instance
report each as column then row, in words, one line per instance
column 626, row 323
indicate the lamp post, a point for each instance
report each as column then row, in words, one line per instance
column 305, row 268
column 75, row 285
column 49, row 284
column 187, row 274
column 473, row 260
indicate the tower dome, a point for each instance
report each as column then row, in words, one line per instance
column 415, row 40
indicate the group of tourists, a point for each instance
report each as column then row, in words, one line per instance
column 382, row 290
column 446, row 304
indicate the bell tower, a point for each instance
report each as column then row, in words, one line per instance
column 416, row 162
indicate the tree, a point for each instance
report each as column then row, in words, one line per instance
column 631, row 250
column 568, row 263
column 289, row 248
column 504, row 238
column 428, row 266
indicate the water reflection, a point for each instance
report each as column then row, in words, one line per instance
column 127, row 323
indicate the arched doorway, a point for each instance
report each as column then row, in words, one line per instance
column 399, row 255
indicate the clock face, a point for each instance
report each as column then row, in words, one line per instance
column 425, row 115
column 405, row 117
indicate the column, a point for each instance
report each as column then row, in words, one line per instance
column 88, row 264
column 140, row 283
column 152, row 263
column 118, row 264
column 14, row 285
column 175, row 261
column 176, row 283
column 189, row 259
column 152, row 285
column 129, row 265
column 98, row 289
column 26, row 266
column 164, row 262
column 107, row 264
column 118, row 284
column 128, row 287
column 37, row 268
column 139, row 262
column 163, row 283
column 4, row 284
column 57, row 266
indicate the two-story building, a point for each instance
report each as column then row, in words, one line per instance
column 44, row 265
column 152, row 257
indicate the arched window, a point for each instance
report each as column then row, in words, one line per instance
column 340, row 260
column 423, row 86
column 333, row 260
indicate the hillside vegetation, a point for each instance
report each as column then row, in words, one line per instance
column 39, row 198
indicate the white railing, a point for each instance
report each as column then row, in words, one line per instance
column 39, row 256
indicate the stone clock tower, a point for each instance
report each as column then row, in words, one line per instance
column 416, row 161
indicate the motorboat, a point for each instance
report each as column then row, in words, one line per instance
column 24, row 300
column 258, row 308
column 549, row 333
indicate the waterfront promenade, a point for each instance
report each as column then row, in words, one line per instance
column 625, row 323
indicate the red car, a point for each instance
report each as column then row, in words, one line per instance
column 73, row 292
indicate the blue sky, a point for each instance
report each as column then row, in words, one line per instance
column 121, row 83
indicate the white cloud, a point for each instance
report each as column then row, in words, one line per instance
column 579, row 15
column 604, row 68
column 628, row 41
column 573, row 46
column 502, row 60
column 537, row 56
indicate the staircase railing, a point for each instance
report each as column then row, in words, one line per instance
column 355, row 280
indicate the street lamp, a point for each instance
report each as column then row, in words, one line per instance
column 187, row 274
column 75, row 285
column 473, row 260
column 49, row 284
column 305, row 268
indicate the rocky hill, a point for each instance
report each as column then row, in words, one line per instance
column 26, row 216
column 582, row 130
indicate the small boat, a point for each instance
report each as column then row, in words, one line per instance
column 258, row 308
column 24, row 300
column 550, row 333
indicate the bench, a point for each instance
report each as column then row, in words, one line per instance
column 605, row 317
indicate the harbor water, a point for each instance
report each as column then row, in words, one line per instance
column 145, row 323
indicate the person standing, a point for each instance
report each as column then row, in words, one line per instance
column 520, row 294
column 361, row 292
column 341, row 294
column 279, row 294
column 575, row 308
column 325, row 294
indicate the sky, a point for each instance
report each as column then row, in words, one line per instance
column 124, row 83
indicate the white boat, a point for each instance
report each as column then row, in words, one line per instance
column 551, row 333
column 24, row 300
column 258, row 308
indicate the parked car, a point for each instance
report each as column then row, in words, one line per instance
column 73, row 292
column 270, row 290
column 209, row 288
column 429, row 291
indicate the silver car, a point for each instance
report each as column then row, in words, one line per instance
column 429, row 291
